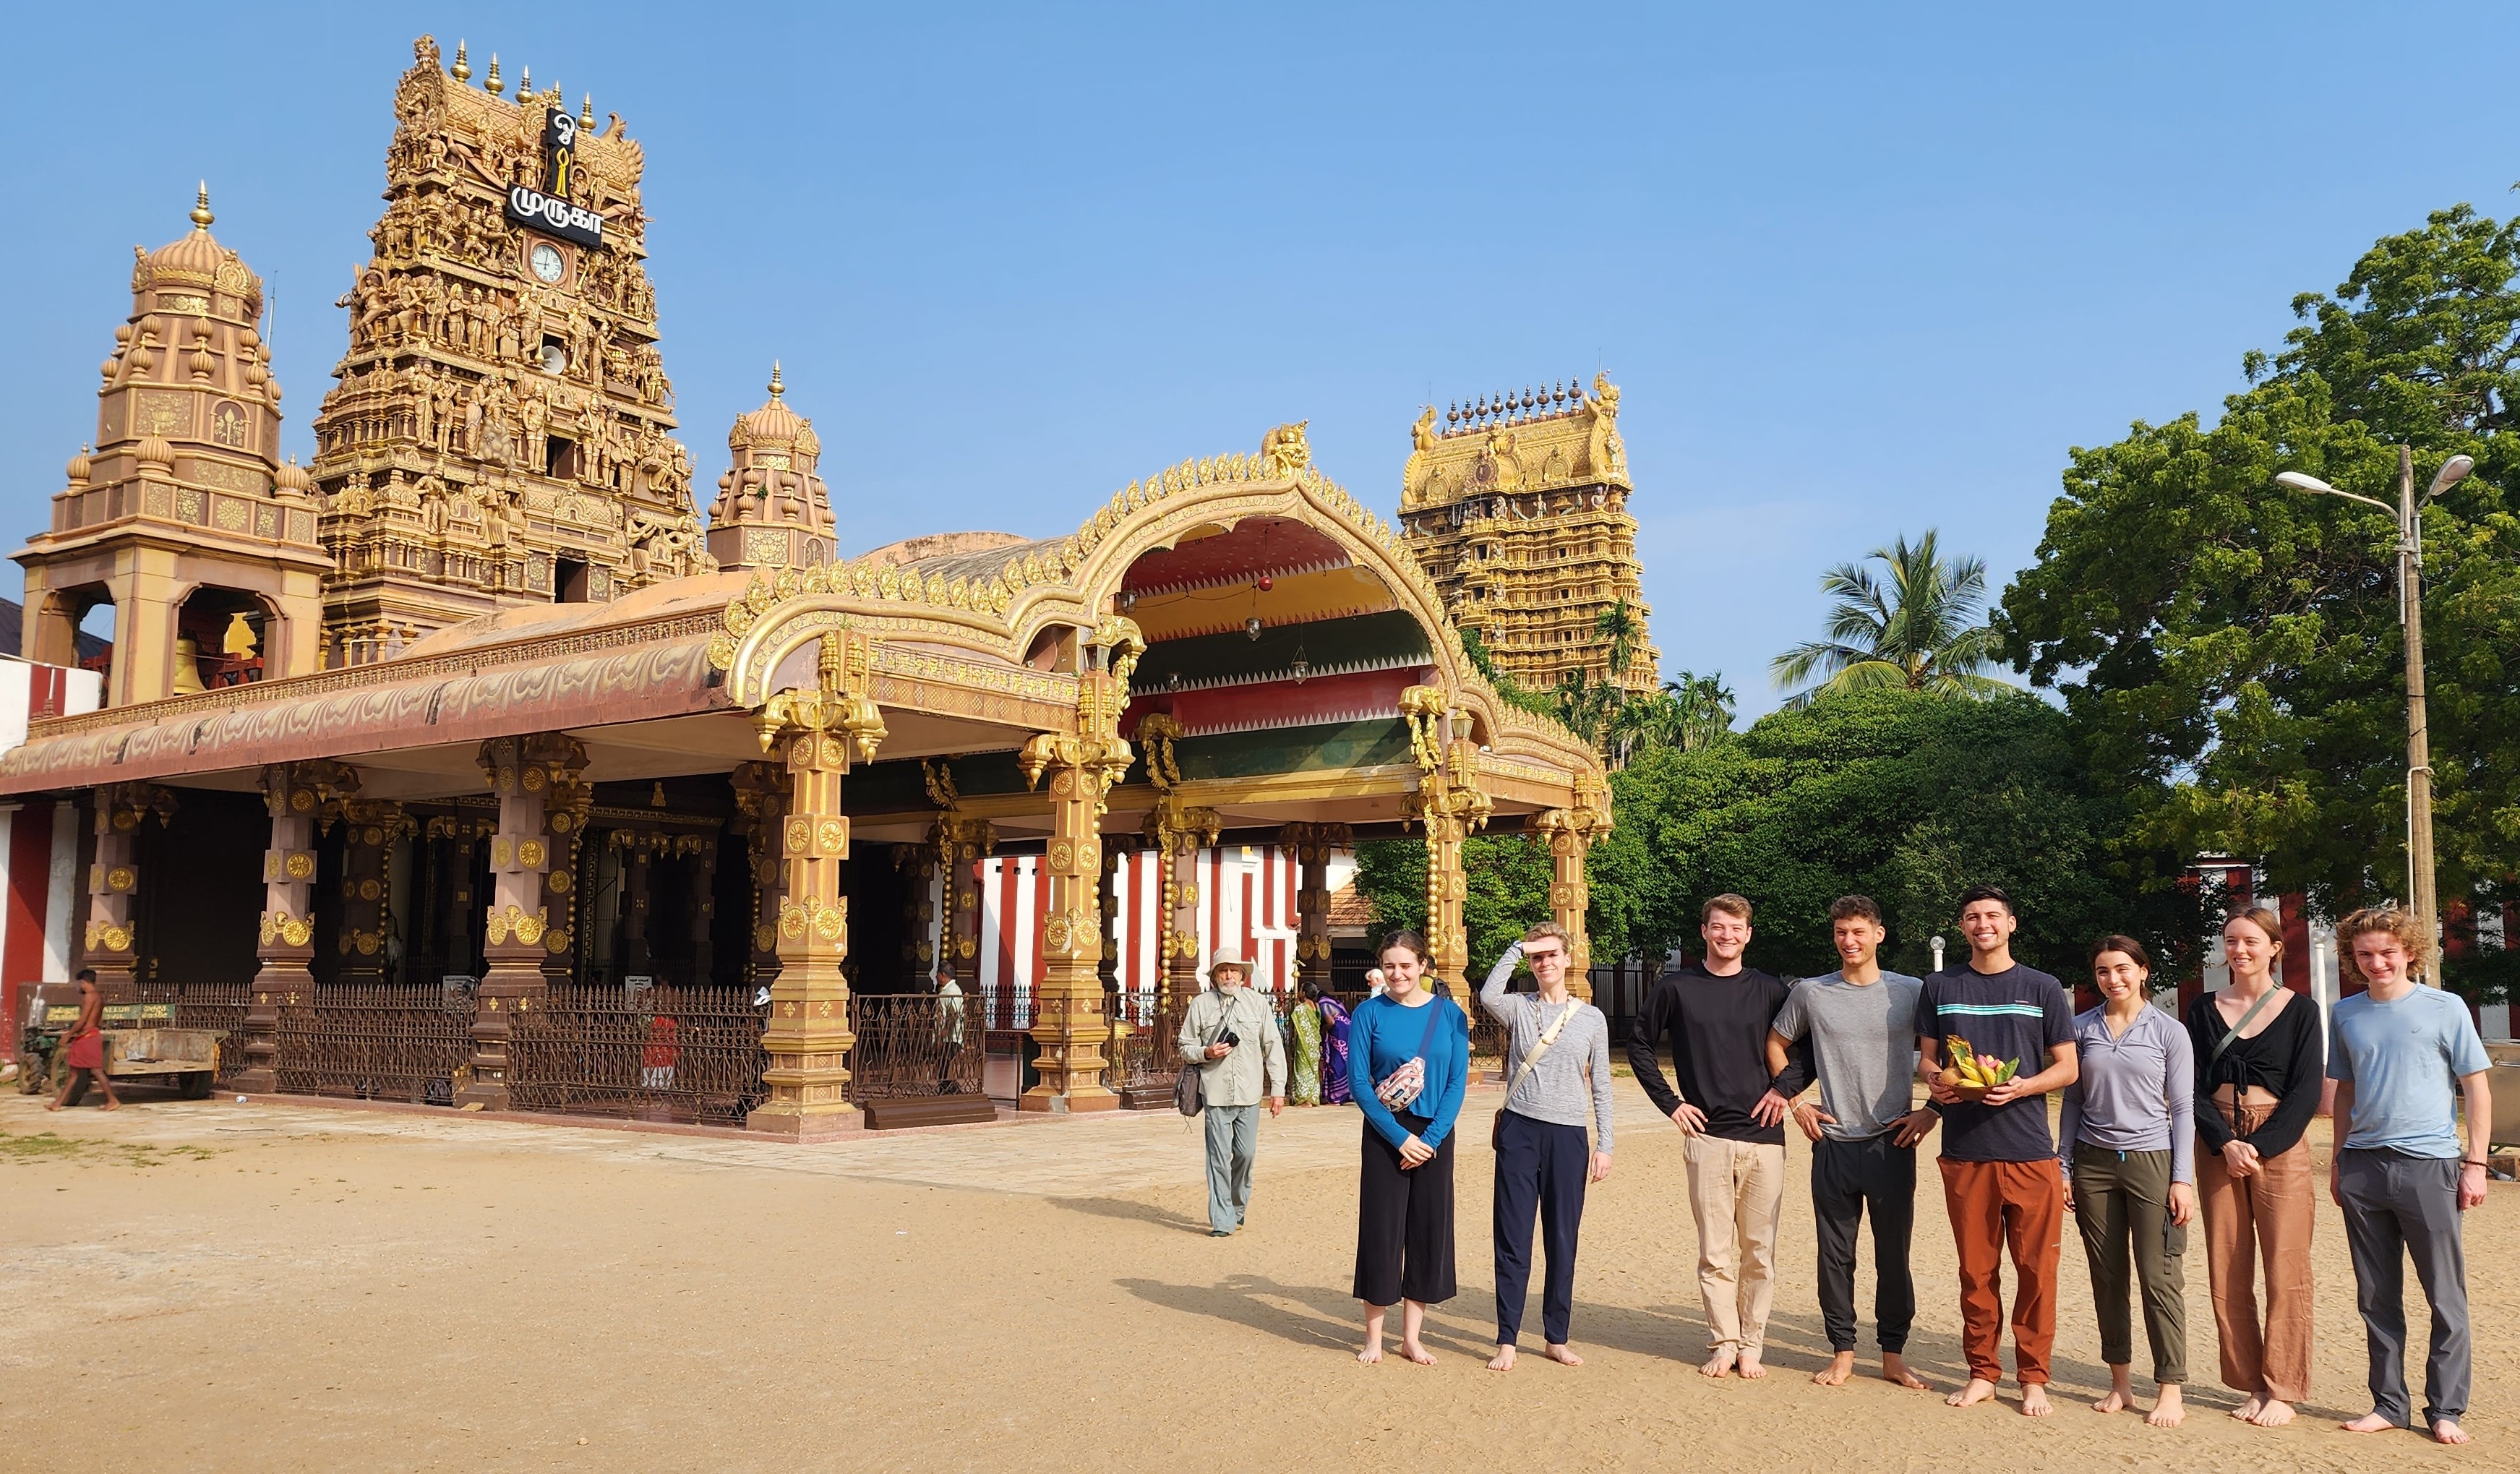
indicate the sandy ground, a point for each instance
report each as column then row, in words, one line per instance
column 226, row 1286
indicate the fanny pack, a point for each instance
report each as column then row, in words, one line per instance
column 1399, row 1088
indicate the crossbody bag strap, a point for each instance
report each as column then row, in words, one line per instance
column 1548, row 1037
column 2253, row 1010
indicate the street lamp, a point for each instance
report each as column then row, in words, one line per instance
column 2411, row 614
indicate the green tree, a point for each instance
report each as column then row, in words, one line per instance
column 1922, row 630
column 1701, row 710
column 2231, row 652
column 1903, row 797
column 1619, row 625
column 1508, row 878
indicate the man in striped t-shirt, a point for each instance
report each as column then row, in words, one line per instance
column 2001, row 1179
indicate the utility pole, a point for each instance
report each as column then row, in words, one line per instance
column 2419, row 770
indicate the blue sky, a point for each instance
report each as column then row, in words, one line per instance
column 1858, row 272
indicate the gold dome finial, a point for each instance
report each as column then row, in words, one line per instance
column 776, row 387
column 202, row 216
column 586, row 112
column 524, row 83
column 462, row 63
column 490, row 84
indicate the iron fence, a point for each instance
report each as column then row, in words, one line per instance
column 376, row 1041
column 914, row 1045
column 661, row 1054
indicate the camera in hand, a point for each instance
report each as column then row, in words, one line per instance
column 1229, row 1039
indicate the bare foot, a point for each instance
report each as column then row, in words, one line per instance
column 53, row 1105
column 114, row 1105
column 2247, row 1411
column 1371, row 1352
column 2447, row 1431
column 1416, row 1353
column 2115, row 1402
column 2169, row 1410
column 1502, row 1360
column 1894, row 1370
column 1749, row 1366
column 2274, row 1414
column 1840, row 1367
column 2034, row 1400
column 1978, row 1390
column 2370, row 1422
column 1716, row 1364
column 1559, row 1352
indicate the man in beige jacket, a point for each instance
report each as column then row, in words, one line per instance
column 1232, row 1032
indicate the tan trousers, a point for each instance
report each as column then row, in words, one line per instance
column 1734, row 1188
column 2266, row 1217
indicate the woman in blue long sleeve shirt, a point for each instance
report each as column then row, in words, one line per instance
column 1403, row 1229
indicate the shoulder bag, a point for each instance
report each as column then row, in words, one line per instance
column 1496, row 1128
column 2252, row 1012
column 1399, row 1088
column 1188, row 1085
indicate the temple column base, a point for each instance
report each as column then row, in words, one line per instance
column 514, row 987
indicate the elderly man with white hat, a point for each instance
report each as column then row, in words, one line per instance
column 1232, row 1032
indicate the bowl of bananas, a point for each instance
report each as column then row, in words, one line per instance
column 1968, row 1073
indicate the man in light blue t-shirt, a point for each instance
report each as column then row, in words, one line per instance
column 2402, row 1057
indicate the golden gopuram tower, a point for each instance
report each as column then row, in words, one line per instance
column 1518, row 508
column 771, row 510
column 502, row 431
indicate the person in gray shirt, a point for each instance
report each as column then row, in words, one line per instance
column 1861, row 1022
column 1557, row 1078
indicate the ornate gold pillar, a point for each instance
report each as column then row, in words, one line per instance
column 1312, row 845
column 1179, row 832
column 702, row 900
column 536, row 779
column 919, row 865
column 113, row 881
column 808, row 1035
column 369, row 828
column 1571, row 833
column 761, row 796
column 295, row 795
column 1068, row 1022
column 1451, row 805
column 637, row 847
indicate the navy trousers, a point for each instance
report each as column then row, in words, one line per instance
column 1544, row 1166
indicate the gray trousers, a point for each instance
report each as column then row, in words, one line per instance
column 1233, row 1140
column 2397, row 1206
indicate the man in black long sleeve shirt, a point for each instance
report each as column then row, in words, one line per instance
column 1731, row 1113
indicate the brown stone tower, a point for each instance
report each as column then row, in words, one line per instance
column 1518, row 508
column 183, row 519
column 501, row 433
column 771, row 510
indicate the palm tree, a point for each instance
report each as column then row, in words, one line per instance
column 1619, row 625
column 1700, row 710
column 1923, row 630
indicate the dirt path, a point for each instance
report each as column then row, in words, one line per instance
column 281, row 1288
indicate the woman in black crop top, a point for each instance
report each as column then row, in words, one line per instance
column 2261, row 1067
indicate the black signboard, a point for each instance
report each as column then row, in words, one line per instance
column 546, row 209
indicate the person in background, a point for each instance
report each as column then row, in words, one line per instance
column 1731, row 1111
column 950, row 1014
column 2127, row 1138
column 1557, row 1078
column 1304, row 1079
column 2258, row 1085
column 1860, row 1023
column 1410, row 1067
column 1334, row 1087
column 83, row 1049
column 1232, row 1032
column 2001, row 1181
column 2400, row 1171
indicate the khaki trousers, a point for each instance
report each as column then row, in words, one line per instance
column 2264, row 1216
column 1736, row 1188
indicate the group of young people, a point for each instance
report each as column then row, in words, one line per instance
column 2161, row 1120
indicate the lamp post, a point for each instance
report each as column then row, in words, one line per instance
column 2409, row 514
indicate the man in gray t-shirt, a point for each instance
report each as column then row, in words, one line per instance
column 1862, row 1024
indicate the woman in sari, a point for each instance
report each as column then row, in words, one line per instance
column 1304, row 1075
column 1335, row 1088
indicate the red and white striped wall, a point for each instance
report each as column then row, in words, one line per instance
column 1246, row 902
column 38, row 846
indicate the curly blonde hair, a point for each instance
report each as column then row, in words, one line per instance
column 2411, row 934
